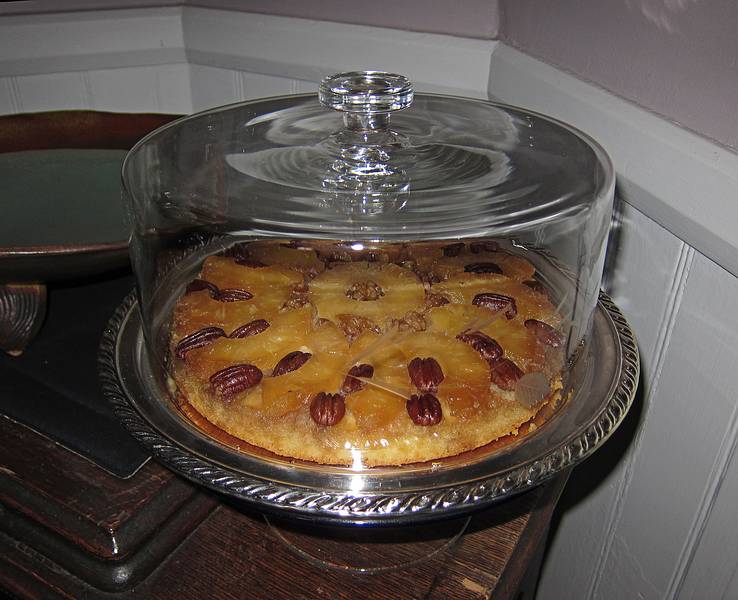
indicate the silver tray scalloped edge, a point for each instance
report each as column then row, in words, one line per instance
column 375, row 507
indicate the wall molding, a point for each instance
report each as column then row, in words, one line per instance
column 83, row 41
column 265, row 44
column 682, row 181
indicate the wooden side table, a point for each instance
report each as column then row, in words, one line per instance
column 69, row 529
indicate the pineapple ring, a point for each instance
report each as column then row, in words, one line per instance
column 271, row 288
column 323, row 372
column 395, row 292
column 463, row 287
column 518, row 343
column 511, row 266
column 225, row 272
column 449, row 259
column 288, row 331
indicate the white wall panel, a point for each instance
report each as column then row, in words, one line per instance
column 173, row 88
column 643, row 257
column 303, row 87
column 51, row 91
column 686, row 433
column 711, row 571
column 254, row 85
column 8, row 102
column 161, row 88
column 658, row 520
column 214, row 87
column 643, row 271
column 211, row 86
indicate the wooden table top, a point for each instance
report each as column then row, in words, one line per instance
column 69, row 529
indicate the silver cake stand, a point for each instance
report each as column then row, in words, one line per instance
column 606, row 372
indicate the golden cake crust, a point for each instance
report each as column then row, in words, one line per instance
column 265, row 351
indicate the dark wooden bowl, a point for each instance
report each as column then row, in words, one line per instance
column 80, row 248
column 78, row 129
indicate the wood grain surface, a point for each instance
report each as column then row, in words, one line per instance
column 76, row 129
column 70, row 530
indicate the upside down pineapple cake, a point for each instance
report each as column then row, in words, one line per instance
column 403, row 352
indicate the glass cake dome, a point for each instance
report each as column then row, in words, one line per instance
column 357, row 278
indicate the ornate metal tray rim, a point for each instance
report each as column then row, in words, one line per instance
column 375, row 507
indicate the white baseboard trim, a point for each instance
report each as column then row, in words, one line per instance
column 684, row 182
column 267, row 44
column 89, row 40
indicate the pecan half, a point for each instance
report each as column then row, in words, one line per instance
column 545, row 333
column 252, row 328
column 424, row 409
column 227, row 295
column 234, row 295
column 425, row 373
column 505, row 374
column 235, row 379
column 327, row 409
column 351, row 384
column 197, row 285
column 365, row 290
column 290, row 362
column 496, row 302
column 488, row 348
column 200, row 338
column 536, row 286
column 477, row 247
column 483, row 267
column 453, row 249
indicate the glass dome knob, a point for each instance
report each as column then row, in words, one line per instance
column 367, row 97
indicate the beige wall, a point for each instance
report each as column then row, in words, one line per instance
column 678, row 58
column 468, row 18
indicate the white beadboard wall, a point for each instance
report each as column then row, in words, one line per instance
column 652, row 514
